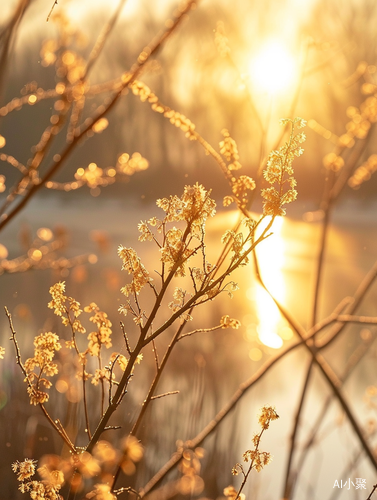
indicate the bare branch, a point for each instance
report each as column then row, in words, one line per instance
column 52, row 8
column 164, row 394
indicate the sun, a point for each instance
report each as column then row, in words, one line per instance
column 273, row 69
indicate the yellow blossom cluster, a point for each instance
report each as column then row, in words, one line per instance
column 193, row 207
column 146, row 233
column 120, row 359
column 179, row 299
column 101, row 374
column 177, row 119
column 267, row 415
column 47, row 489
column 228, row 322
column 181, row 121
column 179, row 296
column 364, row 172
column 241, row 185
column 103, row 334
column 2, row 352
column 63, row 305
column 279, row 171
column 175, row 251
column 358, row 127
column 258, row 458
column 25, row 469
column 238, row 244
column 228, row 148
column 132, row 264
column 78, row 467
column 45, row 346
column 93, row 176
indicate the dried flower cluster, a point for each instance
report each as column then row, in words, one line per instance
column 103, row 334
column 46, row 344
column 279, row 171
column 180, row 239
column 228, row 148
column 359, row 126
column 55, row 471
column 47, row 489
column 240, row 185
column 258, row 459
column 177, row 119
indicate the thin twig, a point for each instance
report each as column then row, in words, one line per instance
column 219, row 417
column 353, row 361
column 55, row 424
column 101, row 111
column 164, row 394
column 155, row 355
column 111, row 377
column 292, row 448
column 329, row 375
column 373, row 490
column 52, row 8
column 85, row 403
column 359, row 295
column 200, row 330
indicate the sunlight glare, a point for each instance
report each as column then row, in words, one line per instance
column 273, row 69
column 271, row 259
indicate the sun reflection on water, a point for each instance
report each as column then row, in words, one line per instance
column 271, row 329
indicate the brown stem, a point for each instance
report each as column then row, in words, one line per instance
column 154, row 46
column 326, row 206
column 356, row 357
column 85, row 404
column 232, row 267
column 318, row 278
column 245, row 476
column 329, row 375
column 350, row 309
column 288, row 479
column 51, row 10
column 62, row 433
column 220, row 416
column 102, row 38
column 102, row 383
column 151, row 391
column 373, row 490
column 9, row 34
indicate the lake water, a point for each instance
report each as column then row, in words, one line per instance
column 221, row 360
